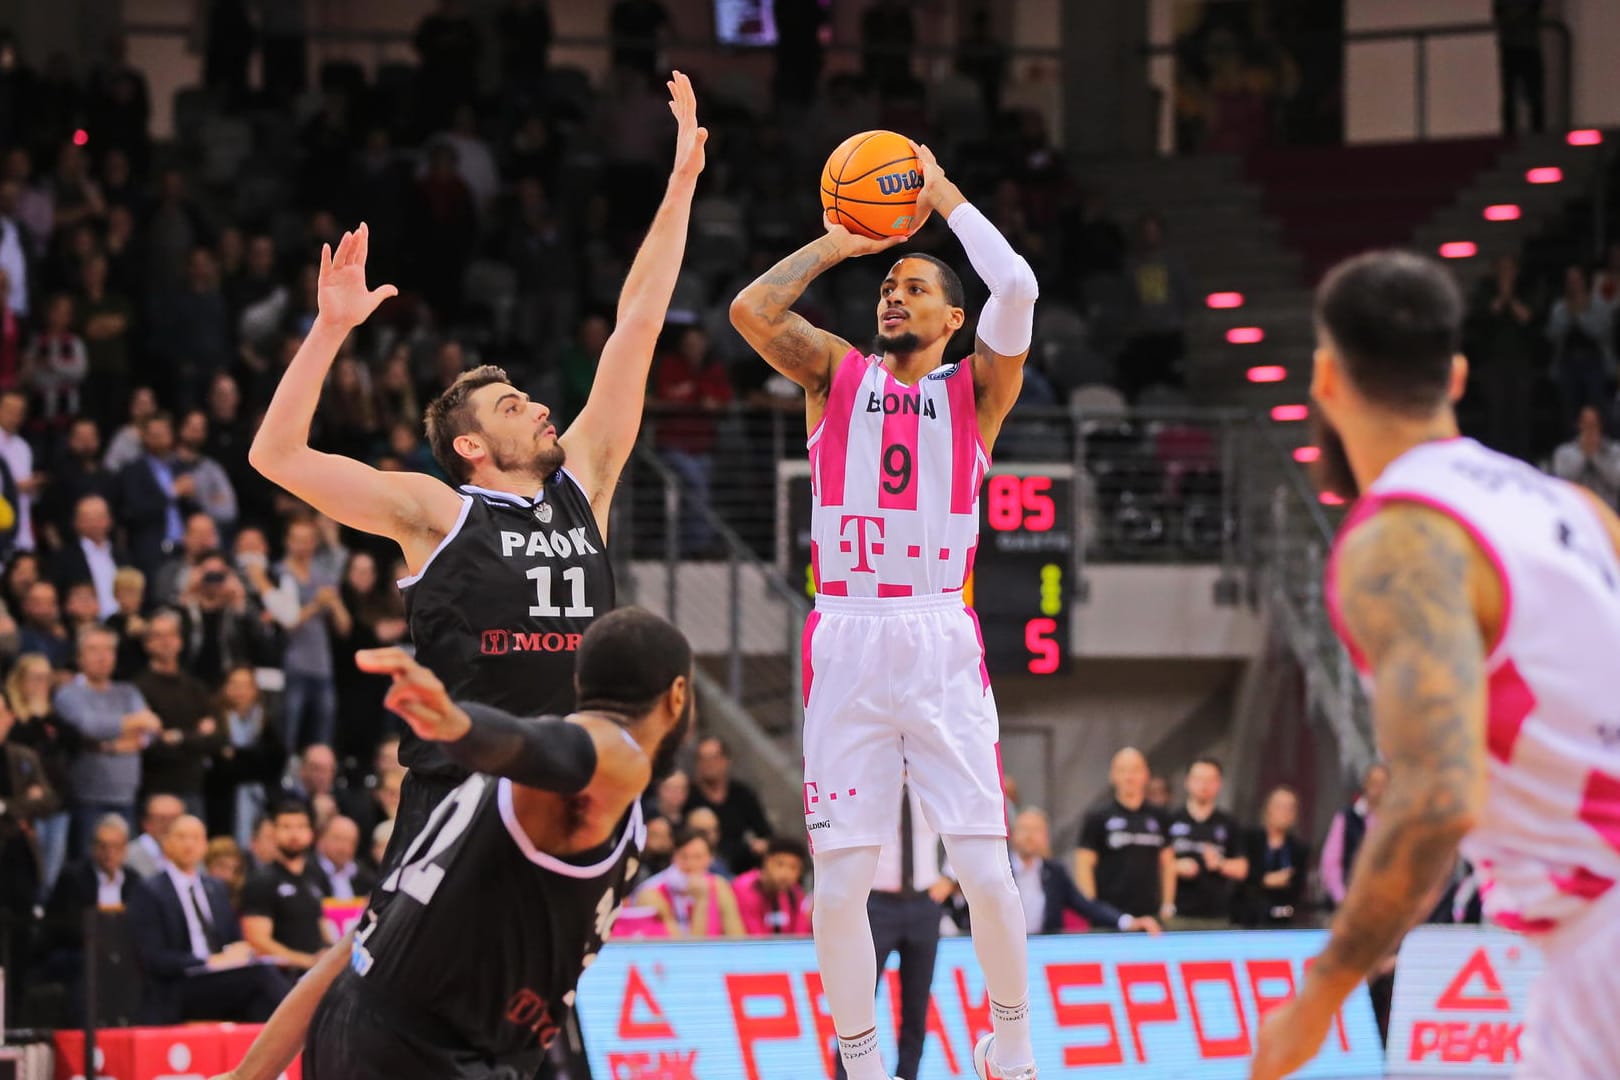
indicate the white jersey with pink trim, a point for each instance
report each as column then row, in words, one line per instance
column 1548, row 841
column 895, row 472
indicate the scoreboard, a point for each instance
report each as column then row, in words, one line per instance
column 1022, row 575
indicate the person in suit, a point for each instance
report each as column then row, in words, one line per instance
column 89, row 554
column 98, row 882
column 338, row 849
column 147, row 493
column 190, row 943
column 1046, row 889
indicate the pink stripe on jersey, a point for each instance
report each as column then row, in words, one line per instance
column 835, row 421
column 966, row 442
column 1001, row 782
column 1600, row 806
column 893, row 590
column 808, row 667
column 1508, row 704
column 900, row 430
column 1583, row 883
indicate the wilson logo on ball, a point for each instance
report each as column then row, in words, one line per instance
column 895, row 183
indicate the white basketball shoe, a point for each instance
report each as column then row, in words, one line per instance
column 984, row 1069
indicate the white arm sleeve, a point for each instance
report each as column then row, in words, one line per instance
column 1007, row 322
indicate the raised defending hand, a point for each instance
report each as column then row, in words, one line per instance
column 343, row 296
column 850, row 244
column 417, row 695
column 689, row 138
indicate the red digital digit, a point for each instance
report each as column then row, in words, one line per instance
column 1041, row 511
column 1006, row 503
column 1044, row 652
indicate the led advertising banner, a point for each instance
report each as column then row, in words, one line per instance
column 1103, row 1005
column 1461, row 996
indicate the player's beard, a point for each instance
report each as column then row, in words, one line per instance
column 666, row 757
column 1332, row 472
column 884, row 344
column 542, row 461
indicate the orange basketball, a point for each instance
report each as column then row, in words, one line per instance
column 870, row 184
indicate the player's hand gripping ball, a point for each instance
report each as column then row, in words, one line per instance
column 870, row 185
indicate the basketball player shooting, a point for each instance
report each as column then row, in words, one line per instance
column 509, row 568
column 894, row 667
column 535, row 849
column 1481, row 600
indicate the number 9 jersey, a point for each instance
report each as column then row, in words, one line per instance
column 474, row 959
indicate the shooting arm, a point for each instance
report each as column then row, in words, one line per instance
column 1407, row 582
column 763, row 315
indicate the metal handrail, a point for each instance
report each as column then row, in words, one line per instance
column 1419, row 36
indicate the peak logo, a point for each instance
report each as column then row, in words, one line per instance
column 501, row 642
column 1460, row 996
column 1460, row 1008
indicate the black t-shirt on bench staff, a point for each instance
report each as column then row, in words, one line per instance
column 1127, row 843
column 292, row 903
column 1209, row 895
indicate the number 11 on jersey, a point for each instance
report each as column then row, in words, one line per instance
column 543, row 608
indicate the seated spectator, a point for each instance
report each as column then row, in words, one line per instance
column 704, row 821
column 669, row 799
column 656, row 852
column 1208, row 849
column 1046, row 889
column 249, row 764
column 1350, row 826
column 1124, row 857
column 1278, row 865
column 190, row 943
column 691, row 900
column 744, row 828
column 223, row 862
column 28, row 692
column 145, row 857
column 80, row 608
column 337, row 848
column 100, row 881
column 115, row 725
column 316, row 778
column 42, row 628
column 281, row 902
column 178, row 757
column 772, row 900
column 1590, row 459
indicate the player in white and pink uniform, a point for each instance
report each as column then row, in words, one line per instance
column 894, row 674
column 1480, row 599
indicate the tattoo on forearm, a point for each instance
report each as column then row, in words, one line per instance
column 793, row 342
column 1404, row 582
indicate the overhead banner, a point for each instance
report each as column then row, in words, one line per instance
column 1461, row 996
column 1125, row 1005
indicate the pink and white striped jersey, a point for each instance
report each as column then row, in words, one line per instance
column 1548, row 841
column 895, row 472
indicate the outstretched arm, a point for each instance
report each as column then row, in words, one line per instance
column 283, row 1036
column 1408, row 580
column 600, row 439
column 1008, row 320
column 413, row 509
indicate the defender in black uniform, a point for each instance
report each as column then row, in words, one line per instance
column 497, row 616
column 535, row 850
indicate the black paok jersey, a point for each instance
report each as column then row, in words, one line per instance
column 484, row 936
column 498, row 610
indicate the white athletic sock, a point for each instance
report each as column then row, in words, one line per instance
column 861, row 1058
column 984, row 871
column 845, row 954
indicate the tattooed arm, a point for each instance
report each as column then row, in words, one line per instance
column 1413, row 587
column 762, row 313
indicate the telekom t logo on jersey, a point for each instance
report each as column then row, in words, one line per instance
column 868, row 544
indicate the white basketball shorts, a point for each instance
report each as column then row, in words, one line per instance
column 895, row 687
column 1570, row 1031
